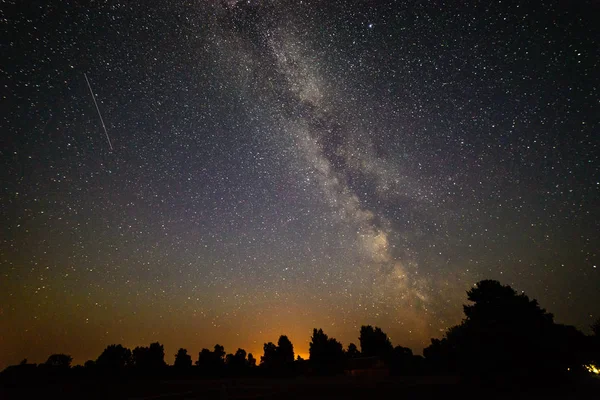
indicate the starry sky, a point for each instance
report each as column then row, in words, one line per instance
column 276, row 166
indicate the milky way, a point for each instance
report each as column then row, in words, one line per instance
column 283, row 165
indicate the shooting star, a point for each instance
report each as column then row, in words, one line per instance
column 98, row 109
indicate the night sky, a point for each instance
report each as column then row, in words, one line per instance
column 278, row 166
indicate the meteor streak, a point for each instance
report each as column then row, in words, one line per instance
column 98, row 109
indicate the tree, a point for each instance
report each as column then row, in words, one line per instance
column 325, row 354
column 505, row 332
column 285, row 350
column 401, row 360
column 317, row 348
column 182, row 359
column 157, row 354
column 251, row 360
column 212, row 362
column 374, row 342
column 229, row 360
column 59, row 361
column 139, row 356
column 240, row 356
column 496, row 304
column 352, row 351
column 205, row 358
column 152, row 357
column 237, row 362
column 114, row 357
column 437, row 356
column 502, row 326
column 269, row 358
column 219, row 354
column 278, row 356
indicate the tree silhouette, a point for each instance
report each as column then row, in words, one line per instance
column 219, row 354
column 505, row 332
column 237, row 360
column 205, row 358
column 114, row 357
column 157, row 354
column 269, row 357
column 140, row 356
column 59, row 361
column 285, row 350
column 182, row 359
column 352, row 351
column 251, row 360
column 278, row 356
column 496, row 304
column 211, row 362
column 236, row 363
column 325, row 354
column 240, row 355
column 402, row 352
column 152, row 357
column 374, row 342
column 438, row 356
column 566, row 347
column 317, row 348
column 402, row 360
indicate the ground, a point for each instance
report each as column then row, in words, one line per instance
column 304, row 388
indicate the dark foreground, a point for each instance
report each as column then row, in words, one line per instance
column 308, row 388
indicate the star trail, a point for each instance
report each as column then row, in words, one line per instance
column 276, row 166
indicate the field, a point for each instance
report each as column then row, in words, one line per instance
column 303, row 388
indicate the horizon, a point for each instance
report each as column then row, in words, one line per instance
column 170, row 356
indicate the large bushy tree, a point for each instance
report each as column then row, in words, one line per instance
column 285, row 350
column 326, row 354
column 182, row 359
column 269, row 357
column 505, row 332
column 114, row 357
column 278, row 356
column 374, row 342
column 236, row 363
column 205, row 358
column 352, row 351
column 152, row 357
column 211, row 362
column 251, row 360
column 59, row 361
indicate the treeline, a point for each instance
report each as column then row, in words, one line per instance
column 503, row 333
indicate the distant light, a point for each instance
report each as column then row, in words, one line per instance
column 370, row 26
column 592, row 368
